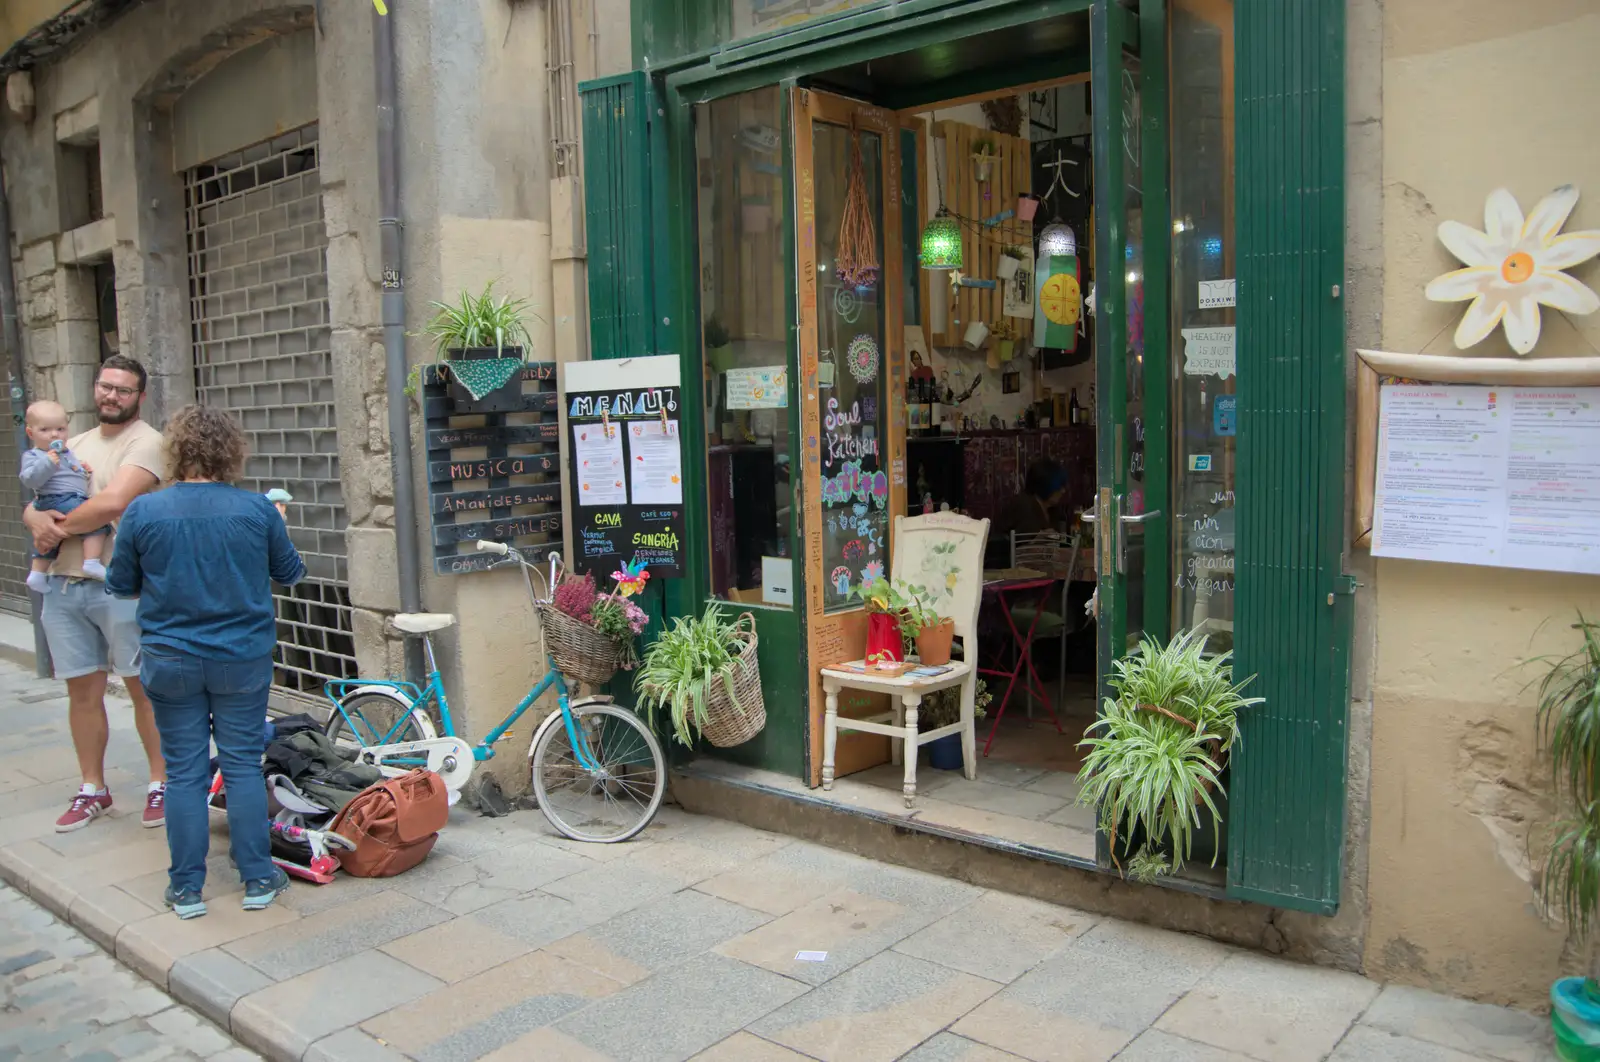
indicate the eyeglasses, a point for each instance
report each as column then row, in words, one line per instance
column 120, row 392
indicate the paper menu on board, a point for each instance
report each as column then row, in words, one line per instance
column 597, row 453
column 1489, row 475
column 656, row 462
column 763, row 387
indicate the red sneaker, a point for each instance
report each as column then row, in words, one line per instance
column 155, row 813
column 84, row 809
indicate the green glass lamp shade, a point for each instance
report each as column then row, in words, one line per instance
column 941, row 243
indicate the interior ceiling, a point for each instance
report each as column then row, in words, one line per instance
column 930, row 73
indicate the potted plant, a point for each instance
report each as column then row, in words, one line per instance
column 983, row 155
column 1011, row 259
column 484, row 339
column 719, row 345
column 1027, row 206
column 943, row 708
column 589, row 634
column 933, row 633
column 705, row 674
column 1157, row 753
column 886, row 603
column 1568, row 721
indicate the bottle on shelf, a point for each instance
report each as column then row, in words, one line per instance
column 1074, row 410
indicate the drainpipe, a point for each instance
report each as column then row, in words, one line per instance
column 11, row 335
column 394, row 310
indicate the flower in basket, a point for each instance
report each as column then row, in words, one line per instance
column 576, row 597
column 612, row 615
column 632, row 577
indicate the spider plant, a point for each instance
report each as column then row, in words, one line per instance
column 479, row 321
column 680, row 666
column 1568, row 720
column 1156, row 754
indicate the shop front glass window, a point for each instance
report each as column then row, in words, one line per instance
column 1203, row 301
column 745, row 334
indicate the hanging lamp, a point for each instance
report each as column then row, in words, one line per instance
column 941, row 237
column 1058, row 239
column 941, row 242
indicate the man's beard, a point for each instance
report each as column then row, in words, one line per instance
column 121, row 416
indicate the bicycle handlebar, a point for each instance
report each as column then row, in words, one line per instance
column 509, row 551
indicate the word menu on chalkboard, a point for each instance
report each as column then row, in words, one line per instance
column 625, row 457
column 492, row 473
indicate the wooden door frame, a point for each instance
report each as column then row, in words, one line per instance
column 832, row 638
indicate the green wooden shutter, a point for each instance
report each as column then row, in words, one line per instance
column 1286, row 815
column 616, row 183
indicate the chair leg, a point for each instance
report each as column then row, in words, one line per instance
column 897, row 747
column 969, row 727
column 830, row 733
column 912, row 700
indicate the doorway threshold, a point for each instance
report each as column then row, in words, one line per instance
column 856, row 797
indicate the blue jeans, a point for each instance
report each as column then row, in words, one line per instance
column 195, row 700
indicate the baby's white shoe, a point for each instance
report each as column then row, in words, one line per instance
column 94, row 570
column 38, row 582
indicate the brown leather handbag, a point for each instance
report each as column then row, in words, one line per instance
column 393, row 824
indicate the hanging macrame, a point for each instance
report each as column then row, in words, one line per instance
column 483, row 376
column 857, row 260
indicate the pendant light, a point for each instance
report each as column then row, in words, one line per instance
column 1058, row 239
column 941, row 237
column 941, row 242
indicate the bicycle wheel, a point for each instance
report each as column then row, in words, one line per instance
column 616, row 799
column 375, row 716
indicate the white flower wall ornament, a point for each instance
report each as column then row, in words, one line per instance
column 1515, row 265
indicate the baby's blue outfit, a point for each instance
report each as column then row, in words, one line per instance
column 61, row 487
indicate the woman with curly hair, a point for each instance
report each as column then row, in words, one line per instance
column 201, row 557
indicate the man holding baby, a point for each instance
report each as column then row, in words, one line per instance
column 88, row 630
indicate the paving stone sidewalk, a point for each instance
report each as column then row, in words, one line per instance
column 512, row 943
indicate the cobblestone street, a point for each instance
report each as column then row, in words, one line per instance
column 701, row 940
column 62, row 997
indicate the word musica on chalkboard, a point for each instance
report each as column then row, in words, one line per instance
column 492, row 475
column 626, row 465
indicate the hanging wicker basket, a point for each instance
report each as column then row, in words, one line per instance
column 580, row 651
column 735, row 708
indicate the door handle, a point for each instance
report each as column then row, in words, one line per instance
column 1122, row 533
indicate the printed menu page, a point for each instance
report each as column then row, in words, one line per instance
column 1489, row 475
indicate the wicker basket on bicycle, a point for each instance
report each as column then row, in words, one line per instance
column 735, row 708
column 580, row 651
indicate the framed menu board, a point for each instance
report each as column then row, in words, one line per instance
column 625, row 459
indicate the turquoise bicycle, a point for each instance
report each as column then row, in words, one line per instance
column 598, row 771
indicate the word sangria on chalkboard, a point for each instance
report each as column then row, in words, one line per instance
column 626, row 463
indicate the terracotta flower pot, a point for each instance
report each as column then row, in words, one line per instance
column 1027, row 206
column 933, row 643
column 883, row 637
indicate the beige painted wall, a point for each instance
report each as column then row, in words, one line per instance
column 1482, row 99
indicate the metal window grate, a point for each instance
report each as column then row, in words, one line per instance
column 258, row 306
column 13, row 538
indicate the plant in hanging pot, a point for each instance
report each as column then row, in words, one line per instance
column 589, row 634
column 484, row 338
column 1157, row 754
column 943, row 708
column 1027, row 206
column 719, row 345
column 1568, row 721
column 1011, row 259
column 984, row 153
column 705, row 674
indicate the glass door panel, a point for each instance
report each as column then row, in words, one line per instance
column 849, row 271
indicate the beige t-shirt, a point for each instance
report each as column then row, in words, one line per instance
column 138, row 444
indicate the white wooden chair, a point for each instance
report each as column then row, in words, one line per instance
column 944, row 552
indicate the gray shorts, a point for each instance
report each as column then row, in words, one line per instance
column 88, row 630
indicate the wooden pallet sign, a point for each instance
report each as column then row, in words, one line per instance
column 494, row 467
column 625, row 458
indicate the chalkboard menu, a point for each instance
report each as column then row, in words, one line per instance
column 625, row 457
column 492, row 475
